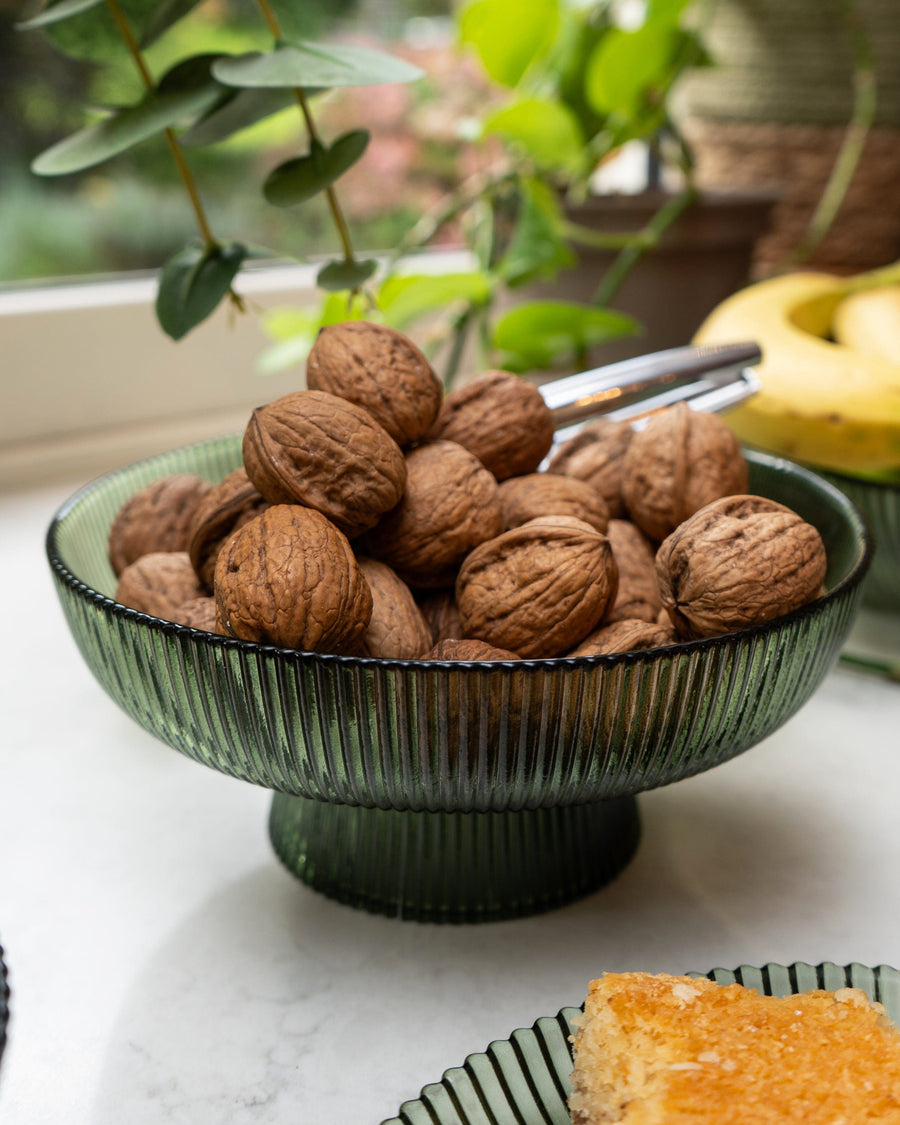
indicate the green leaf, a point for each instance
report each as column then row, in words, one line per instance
column 92, row 33
column 192, row 284
column 181, row 94
column 300, row 179
column 537, row 334
column 341, row 274
column 163, row 17
column 509, row 36
column 625, row 65
column 302, row 64
column 405, row 299
column 239, row 111
column 547, row 131
column 55, row 13
column 538, row 247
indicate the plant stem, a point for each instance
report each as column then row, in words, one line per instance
column 334, row 206
column 187, row 178
column 640, row 243
column 865, row 100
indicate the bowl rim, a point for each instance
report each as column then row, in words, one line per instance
column 650, row 655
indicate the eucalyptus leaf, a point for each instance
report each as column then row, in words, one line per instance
column 403, row 300
column 183, row 93
column 92, row 33
column 240, row 110
column 302, row 64
column 192, row 284
column 164, row 16
column 509, row 36
column 538, row 248
column 55, row 13
column 539, row 333
column 341, row 274
column 547, row 131
column 300, row 179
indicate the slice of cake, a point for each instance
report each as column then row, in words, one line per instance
column 654, row 1049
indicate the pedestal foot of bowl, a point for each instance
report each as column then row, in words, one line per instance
column 454, row 866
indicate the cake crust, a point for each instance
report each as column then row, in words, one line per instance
column 669, row 1050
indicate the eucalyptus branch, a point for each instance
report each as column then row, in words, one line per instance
column 334, row 206
column 184, row 172
column 865, row 100
column 640, row 243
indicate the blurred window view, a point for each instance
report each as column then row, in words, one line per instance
column 131, row 214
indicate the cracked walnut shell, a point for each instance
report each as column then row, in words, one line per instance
column 289, row 578
column 538, row 589
column 739, row 561
column 683, row 460
column 318, row 450
column 500, row 418
column 380, row 369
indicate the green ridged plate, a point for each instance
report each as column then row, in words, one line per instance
column 525, row 1079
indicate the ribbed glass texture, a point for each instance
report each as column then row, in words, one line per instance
column 525, row 1078
column 880, row 505
column 431, row 736
column 4, row 1002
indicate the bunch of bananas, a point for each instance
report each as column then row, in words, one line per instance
column 830, row 373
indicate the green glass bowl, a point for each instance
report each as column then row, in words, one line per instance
column 526, row 1078
column 440, row 790
column 880, row 505
column 4, row 1002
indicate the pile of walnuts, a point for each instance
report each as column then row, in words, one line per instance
column 375, row 516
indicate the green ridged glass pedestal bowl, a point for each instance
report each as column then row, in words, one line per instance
column 451, row 791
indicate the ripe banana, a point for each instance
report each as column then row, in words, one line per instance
column 824, row 403
column 869, row 322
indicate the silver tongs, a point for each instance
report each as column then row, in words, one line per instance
column 710, row 377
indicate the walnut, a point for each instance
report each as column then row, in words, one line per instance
column 638, row 594
column 468, row 649
column 315, row 449
column 683, row 460
column 380, row 369
column 595, row 455
column 539, row 494
column 198, row 613
column 289, row 578
column 538, row 589
column 625, row 636
column 449, row 506
column 441, row 614
column 159, row 583
column 739, row 561
column 227, row 506
column 397, row 630
column 156, row 518
column 500, row 418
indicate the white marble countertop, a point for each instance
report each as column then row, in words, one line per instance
column 165, row 968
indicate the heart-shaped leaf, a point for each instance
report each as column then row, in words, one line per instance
column 508, row 35
column 302, row 64
column 193, row 282
column 404, row 299
column 55, row 13
column 300, row 179
column 185, row 91
column 538, row 247
column 536, row 334
column 341, row 274
column 547, row 131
